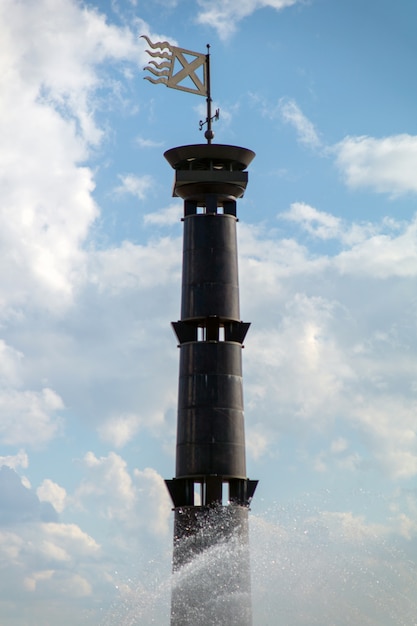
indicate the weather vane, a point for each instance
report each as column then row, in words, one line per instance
column 174, row 67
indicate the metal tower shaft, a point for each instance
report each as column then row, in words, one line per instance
column 211, row 492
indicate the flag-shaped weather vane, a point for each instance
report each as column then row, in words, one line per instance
column 177, row 68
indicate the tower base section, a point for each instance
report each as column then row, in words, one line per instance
column 211, row 581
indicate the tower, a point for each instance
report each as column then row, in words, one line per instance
column 210, row 492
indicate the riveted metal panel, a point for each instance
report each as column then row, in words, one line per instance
column 210, row 269
column 210, row 390
column 210, row 435
column 225, row 458
column 211, row 357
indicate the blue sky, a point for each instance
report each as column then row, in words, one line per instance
column 324, row 92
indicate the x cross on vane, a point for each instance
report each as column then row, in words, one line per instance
column 188, row 70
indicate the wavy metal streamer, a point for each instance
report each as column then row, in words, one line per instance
column 157, row 44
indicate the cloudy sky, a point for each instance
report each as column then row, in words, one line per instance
column 324, row 92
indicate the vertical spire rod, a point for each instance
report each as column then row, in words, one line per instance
column 209, row 133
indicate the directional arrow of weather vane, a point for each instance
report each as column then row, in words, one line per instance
column 164, row 70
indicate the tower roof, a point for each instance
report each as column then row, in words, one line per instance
column 209, row 156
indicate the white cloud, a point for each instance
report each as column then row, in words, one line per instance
column 109, row 486
column 318, row 223
column 51, row 91
column 266, row 260
column 147, row 143
column 28, row 417
column 72, row 539
column 382, row 254
column 47, row 206
column 10, row 365
column 291, row 114
column 337, row 457
column 15, row 460
column 54, row 65
column 383, row 165
column 152, row 490
column 383, row 249
column 137, row 186
column 325, row 348
column 30, row 582
column 119, row 430
column 338, row 445
column 351, row 528
column 46, row 562
column 301, row 353
column 257, row 442
column 133, row 266
column 386, row 165
column 47, row 128
column 19, row 503
column 140, row 501
column 112, row 355
column 407, row 526
column 224, row 15
column 57, row 561
column 393, row 441
column 165, row 217
column 53, row 493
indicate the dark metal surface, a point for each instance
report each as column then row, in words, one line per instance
column 210, row 436
column 210, row 285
